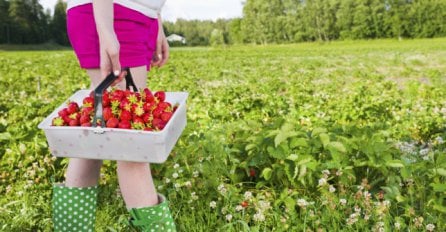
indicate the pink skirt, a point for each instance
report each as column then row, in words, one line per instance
column 136, row 33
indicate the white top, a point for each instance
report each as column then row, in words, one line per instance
column 150, row 8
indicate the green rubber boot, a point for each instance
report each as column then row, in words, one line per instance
column 155, row 218
column 74, row 209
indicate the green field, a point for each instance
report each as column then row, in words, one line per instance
column 342, row 136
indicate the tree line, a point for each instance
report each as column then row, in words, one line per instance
column 263, row 22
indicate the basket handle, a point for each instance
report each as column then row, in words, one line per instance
column 99, row 91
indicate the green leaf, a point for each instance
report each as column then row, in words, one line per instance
column 438, row 187
column 292, row 157
column 5, row 136
column 267, row 173
column 318, row 130
column 298, row 142
column 282, row 136
column 440, row 171
column 250, row 146
column 440, row 208
column 336, row 146
column 395, row 164
column 325, row 139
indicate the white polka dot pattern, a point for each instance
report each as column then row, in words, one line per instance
column 155, row 218
column 74, row 209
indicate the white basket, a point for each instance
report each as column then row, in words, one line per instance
column 116, row 144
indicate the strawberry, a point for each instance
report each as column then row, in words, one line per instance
column 124, row 125
column 147, row 95
column 125, row 116
column 148, row 106
column 166, row 106
column 73, row 122
column 58, row 121
column 158, row 124
column 105, row 99
column 88, row 102
column 244, row 204
column 160, row 96
column 137, row 110
column 148, row 129
column 157, row 112
column 63, row 113
column 84, row 119
column 125, row 104
column 86, row 124
column 107, row 113
column 112, row 123
column 87, row 111
column 117, row 94
column 252, row 172
column 147, row 117
column 165, row 116
column 73, row 107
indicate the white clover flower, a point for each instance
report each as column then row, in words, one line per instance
column 167, row 180
column 228, row 217
column 259, row 217
column 339, row 173
column 325, row 172
column 331, row 189
column 430, row 227
column 188, row 184
column 194, row 196
column 397, row 225
column 238, row 208
column 343, row 201
column 213, row 204
column 221, row 188
column 386, row 203
column 177, row 185
column 424, row 152
column 439, row 140
column 322, row 182
column 248, row 195
column 180, row 170
column 302, row 203
column 264, row 205
column 195, row 174
column 175, row 175
column 176, row 166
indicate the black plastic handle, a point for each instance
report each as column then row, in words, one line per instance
column 99, row 91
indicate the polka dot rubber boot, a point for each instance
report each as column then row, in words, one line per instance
column 74, row 209
column 155, row 218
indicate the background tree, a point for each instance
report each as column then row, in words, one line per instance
column 58, row 25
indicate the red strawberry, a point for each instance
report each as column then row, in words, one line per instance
column 117, row 94
column 165, row 116
column 160, row 96
column 73, row 107
column 157, row 112
column 148, row 106
column 158, row 124
column 74, row 122
column 252, row 172
column 105, row 99
column 125, row 105
column 107, row 113
column 112, row 123
column 148, row 95
column 137, row 110
column 124, row 125
column 86, row 124
column 87, row 111
column 147, row 117
column 84, row 119
column 58, row 121
column 125, row 116
column 63, row 113
column 165, row 106
column 88, row 102
column 75, row 115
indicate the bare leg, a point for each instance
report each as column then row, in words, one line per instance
column 84, row 172
column 135, row 179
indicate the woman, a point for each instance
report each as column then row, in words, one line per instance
column 107, row 35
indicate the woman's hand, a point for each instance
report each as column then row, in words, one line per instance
column 161, row 54
column 108, row 41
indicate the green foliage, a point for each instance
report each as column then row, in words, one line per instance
column 346, row 136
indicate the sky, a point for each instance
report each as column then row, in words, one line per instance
column 189, row 9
